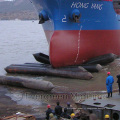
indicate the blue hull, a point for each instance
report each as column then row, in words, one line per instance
column 95, row 14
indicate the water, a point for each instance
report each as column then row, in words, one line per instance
column 19, row 40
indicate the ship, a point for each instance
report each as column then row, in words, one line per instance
column 78, row 30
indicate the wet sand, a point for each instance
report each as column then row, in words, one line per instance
column 13, row 100
column 9, row 106
column 97, row 83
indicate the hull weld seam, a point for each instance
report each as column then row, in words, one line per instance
column 78, row 51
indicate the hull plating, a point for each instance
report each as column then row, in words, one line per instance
column 77, row 47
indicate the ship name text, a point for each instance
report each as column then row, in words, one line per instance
column 86, row 5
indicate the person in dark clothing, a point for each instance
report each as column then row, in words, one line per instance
column 69, row 109
column 64, row 114
column 49, row 110
column 58, row 110
column 118, row 81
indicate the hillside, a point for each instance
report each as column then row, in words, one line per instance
column 17, row 9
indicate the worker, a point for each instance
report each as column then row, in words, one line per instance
column 118, row 81
column 73, row 116
column 64, row 114
column 49, row 110
column 51, row 116
column 107, row 117
column 58, row 110
column 109, row 82
column 69, row 109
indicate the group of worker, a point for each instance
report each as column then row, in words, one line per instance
column 109, row 83
column 68, row 113
column 57, row 113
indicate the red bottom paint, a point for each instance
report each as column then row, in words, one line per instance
column 76, row 47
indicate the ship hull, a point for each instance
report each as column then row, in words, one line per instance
column 70, row 43
column 76, row 47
